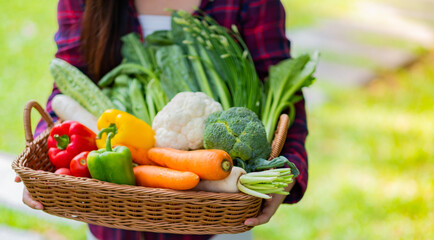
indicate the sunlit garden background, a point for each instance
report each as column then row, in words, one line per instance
column 371, row 148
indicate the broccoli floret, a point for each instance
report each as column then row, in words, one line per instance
column 239, row 132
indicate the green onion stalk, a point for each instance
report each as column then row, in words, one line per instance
column 238, row 63
column 181, row 21
column 228, row 66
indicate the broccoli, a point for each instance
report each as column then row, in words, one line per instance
column 239, row 132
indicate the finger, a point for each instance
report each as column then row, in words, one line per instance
column 268, row 211
column 29, row 201
column 17, row 179
column 265, row 216
column 261, row 219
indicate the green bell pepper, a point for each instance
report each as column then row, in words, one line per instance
column 111, row 165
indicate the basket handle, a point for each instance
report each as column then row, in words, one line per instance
column 279, row 136
column 27, row 120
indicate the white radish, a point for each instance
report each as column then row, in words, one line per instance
column 67, row 108
column 226, row 185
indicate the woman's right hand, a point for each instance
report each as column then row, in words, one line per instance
column 27, row 198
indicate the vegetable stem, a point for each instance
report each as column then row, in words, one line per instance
column 247, row 179
column 264, row 174
column 252, row 192
column 266, row 182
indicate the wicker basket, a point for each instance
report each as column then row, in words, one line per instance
column 130, row 207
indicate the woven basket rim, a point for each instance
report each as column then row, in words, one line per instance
column 19, row 163
column 38, row 179
column 19, row 166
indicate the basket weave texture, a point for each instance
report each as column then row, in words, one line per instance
column 123, row 206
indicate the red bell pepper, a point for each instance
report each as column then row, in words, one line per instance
column 78, row 165
column 67, row 140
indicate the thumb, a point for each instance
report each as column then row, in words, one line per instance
column 261, row 219
column 17, row 179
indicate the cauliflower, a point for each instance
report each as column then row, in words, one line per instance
column 181, row 123
column 239, row 132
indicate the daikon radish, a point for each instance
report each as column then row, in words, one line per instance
column 227, row 185
column 67, row 108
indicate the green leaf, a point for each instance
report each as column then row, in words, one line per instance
column 282, row 74
column 259, row 164
column 138, row 104
column 159, row 38
column 294, row 169
column 134, row 51
column 176, row 75
column 123, row 69
column 285, row 80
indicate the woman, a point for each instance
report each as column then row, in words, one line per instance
column 89, row 38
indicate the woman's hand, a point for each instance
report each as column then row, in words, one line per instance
column 27, row 198
column 270, row 207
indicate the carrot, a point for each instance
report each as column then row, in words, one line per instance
column 210, row 164
column 160, row 177
column 140, row 156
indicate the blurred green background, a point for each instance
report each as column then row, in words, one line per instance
column 370, row 149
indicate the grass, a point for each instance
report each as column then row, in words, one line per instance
column 27, row 47
column 371, row 162
column 48, row 229
column 300, row 13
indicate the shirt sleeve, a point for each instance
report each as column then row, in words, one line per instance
column 263, row 29
column 294, row 149
column 67, row 38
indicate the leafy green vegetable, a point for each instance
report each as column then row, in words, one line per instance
column 139, row 107
column 232, row 59
column 122, row 69
column 285, row 79
column 183, row 37
column 134, row 85
column 159, row 38
column 156, row 99
column 198, row 54
column 260, row 164
column 119, row 93
column 176, row 75
column 133, row 51
column 220, row 60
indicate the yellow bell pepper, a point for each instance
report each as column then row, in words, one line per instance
column 129, row 131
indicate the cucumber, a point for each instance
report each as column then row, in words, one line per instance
column 73, row 83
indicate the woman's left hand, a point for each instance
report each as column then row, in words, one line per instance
column 270, row 207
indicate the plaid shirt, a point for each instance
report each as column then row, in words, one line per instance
column 262, row 26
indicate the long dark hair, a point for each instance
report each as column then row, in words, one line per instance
column 104, row 23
